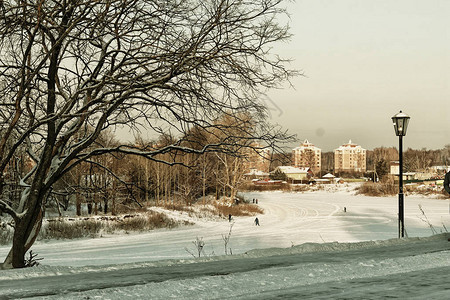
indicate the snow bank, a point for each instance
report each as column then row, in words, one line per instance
column 339, row 247
column 316, row 248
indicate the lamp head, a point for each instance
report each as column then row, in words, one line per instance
column 400, row 121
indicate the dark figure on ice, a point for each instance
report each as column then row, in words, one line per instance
column 229, row 218
column 256, row 222
column 447, row 182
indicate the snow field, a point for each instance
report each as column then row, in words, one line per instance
column 306, row 247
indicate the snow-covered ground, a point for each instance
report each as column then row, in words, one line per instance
column 306, row 247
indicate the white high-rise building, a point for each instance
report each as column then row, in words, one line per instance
column 307, row 156
column 350, row 158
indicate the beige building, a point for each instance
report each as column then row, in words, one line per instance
column 350, row 158
column 294, row 174
column 307, row 156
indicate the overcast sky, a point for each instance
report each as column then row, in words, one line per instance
column 363, row 61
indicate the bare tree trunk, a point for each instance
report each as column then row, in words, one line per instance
column 95, row 204
column 204, row 179
column 158, row 181
column 89, row 206
column 113, row 198
column 78, row 203
column 26, row 230
column 147, row 183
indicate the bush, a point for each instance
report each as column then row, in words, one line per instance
column 300, row 188
column 239, row 210
column 147, row 221
column 369, row 188
column 70, row 229
column 177, row 207
column 265, row 187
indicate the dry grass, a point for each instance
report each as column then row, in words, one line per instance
column 177, row 207
column 63, row 229
column 377, row 189
column 243, row 209
column 300, row 188
column 265, row 187
column 390, row 188
column 71, row 228
column 148, row 221
column 427, row 190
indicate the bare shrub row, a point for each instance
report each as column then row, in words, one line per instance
column 265, row 187
column 369, row 188
column 244, row 209
column 63, row 228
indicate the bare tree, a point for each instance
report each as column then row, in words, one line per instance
column 74, row 68
column 445, row 155
column 327, row 162
column 310, row 159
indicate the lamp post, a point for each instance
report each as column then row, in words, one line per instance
column 400, row 121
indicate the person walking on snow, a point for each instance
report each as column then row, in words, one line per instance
column 256, row 221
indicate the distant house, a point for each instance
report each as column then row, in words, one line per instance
column 395, row 170
column 295, row 175
column 328, row 178
column 256, row 174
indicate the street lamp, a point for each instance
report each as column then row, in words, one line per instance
column 401, row 121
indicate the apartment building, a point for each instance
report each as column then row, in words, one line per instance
column 307, row 156
column 350, row 157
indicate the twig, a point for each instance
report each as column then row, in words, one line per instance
column 426, row 220
column 226, row 240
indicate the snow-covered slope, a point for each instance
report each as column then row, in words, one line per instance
column 415, row 267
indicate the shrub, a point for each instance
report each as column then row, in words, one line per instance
column 177, row 207
column 369, row 188
column 64, row 229
column 265, row 187
column 239, row 210
column 149, row 220
column 300, row 188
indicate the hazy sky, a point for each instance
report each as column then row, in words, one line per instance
column 363, row 61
